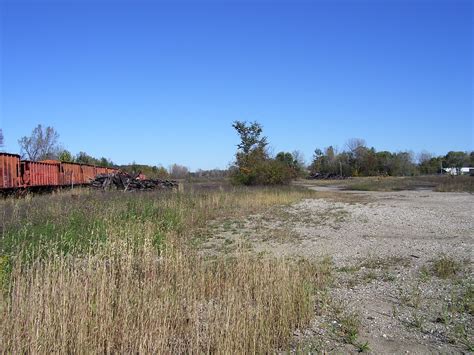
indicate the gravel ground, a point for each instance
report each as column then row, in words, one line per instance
column 385, row 249
column 423, row 224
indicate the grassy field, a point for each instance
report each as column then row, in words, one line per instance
column 112, row 272
column 436, row 183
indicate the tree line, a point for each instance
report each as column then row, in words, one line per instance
column 255, row 165
column 43, row 144
column 360, row 160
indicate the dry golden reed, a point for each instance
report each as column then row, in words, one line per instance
column 120, row 296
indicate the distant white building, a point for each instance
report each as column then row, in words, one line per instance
column 456, row 171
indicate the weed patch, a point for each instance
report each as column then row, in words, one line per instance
column 446, row 267
column 117, row 273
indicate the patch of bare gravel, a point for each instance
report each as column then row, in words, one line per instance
column 383, row 250
column 403, row 308
column 406, row 223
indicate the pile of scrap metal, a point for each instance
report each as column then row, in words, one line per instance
column 128, row 182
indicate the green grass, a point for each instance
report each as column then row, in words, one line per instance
column 417, row 321
column 349, row 327
column 66, row 225
column 370, row 276
column 446, row 267
column 363, row 347
column 348, row 268
column 384, row 263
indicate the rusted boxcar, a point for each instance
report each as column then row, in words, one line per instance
column 88, row 173
column 25, row 174
column 35, row 173
column 101, row 170
column 9, row 171
column 71, row 174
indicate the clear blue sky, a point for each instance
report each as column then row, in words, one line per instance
column 161, row 82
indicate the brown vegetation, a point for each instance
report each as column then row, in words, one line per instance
column 441, row 183
column 116, row 273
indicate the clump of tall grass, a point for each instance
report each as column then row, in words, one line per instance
column 446, row 267
column 114, row 273
column 456, row 184
column 176, row 302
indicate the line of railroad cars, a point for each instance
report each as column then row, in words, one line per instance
column 20, row 174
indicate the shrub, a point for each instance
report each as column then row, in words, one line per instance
column 253, row 164
column 266, row 172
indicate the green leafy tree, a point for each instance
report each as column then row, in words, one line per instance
column 253, row 165
column 358, row 160
column 160, row 172
column 369, row 163
column 105, row 162
column 318, row 162
column 327, row 162
column 290, row 162
column 65, row 156
column 402, row 164
column 384, row 162
column 356, row 150
column 251, row 138
column 428, row 164
column 456, row 160
column 84, row 158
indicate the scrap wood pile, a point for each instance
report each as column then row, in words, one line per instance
column 320, row 176
column 127, row 182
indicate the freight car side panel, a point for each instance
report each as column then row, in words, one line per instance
column 71, row 174
column 111, row 171
column 39, row 174
column 100, row 170
column 88, row 173
column 9, row 170
column 16, row 173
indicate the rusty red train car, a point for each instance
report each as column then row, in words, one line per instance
column 88, row 173
column 37, row 173
column 9, row 171
column 71, row 174
column 25, row 174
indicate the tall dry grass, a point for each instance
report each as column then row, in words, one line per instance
column 130, row 291
column 173, row 303
column 437, row 183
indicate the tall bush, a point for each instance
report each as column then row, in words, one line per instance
column 253, row 165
